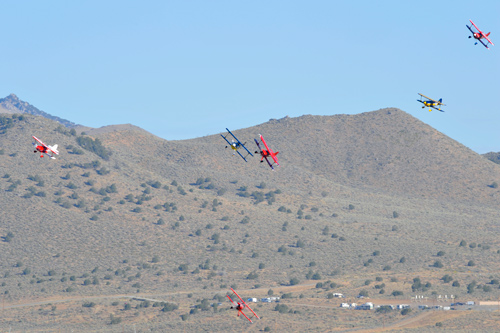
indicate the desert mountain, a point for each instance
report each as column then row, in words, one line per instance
column 12, row 104
column 492, row 156
column 386, row 151
column 121, row 211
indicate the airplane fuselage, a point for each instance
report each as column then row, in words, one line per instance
column 430, row 103
column 235, row 146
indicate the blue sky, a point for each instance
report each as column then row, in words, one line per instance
column 185, row 69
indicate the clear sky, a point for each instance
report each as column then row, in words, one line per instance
column 185, row 69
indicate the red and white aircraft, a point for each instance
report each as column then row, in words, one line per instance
column 44, row 149
column 265, row 153
column 479, row 35
column 241, row 307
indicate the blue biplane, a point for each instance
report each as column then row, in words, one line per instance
column 236, row 144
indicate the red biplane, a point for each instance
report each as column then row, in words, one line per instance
column 265, row 153
column 479, row 35
column 44, row 149
column 241, row 307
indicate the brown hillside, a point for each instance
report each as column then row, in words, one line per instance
column 386, row 150
column 182, row 221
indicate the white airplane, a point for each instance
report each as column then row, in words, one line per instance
column 45, row 149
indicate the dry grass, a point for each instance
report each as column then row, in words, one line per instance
column 437, row 187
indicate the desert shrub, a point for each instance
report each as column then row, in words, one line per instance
column 94, row 146
column 471, row 286
column 402, row 260
column 472, row 245
column 437, row 264
column 395, row 214
column 441, row 253
column 300, row 244
column 386, row 268
column 351, row 207
column 216, row 238
column 294, row 281
column 245, row 220
column 447, row 278
column 262, row 265
column 397, row 293
column 376, row 253
column 471, row 263
column 406, row 311
column 363, row 293
column 384, row 309
column 8, row 238
column 252, row 276
column 463, row 243
column 487, row 288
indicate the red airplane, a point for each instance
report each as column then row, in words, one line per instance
column 44, row 149
column 479, row 35
column 265, row 153
column 241, row 307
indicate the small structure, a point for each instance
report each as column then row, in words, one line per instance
column 252, row 299
column 266, row 300
column 353, row 305
column 338, row 295
column 344, row 305
column 470, row 303
column 402, row 306
column 366, row 306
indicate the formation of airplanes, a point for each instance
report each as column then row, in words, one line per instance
column 270, row 156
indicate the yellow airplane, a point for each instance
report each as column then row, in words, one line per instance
column 430, row 103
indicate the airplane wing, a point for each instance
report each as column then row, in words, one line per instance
column 233, row 302
column 488, row 40
column 430, row 99
column 258, row 145
column 241, row 144
column 229, row 143
column 485, row 45
column 472, row 31
column 475, row 26
column 39, row 141
column 246, row 305
column 269, row 150
column 435, row 108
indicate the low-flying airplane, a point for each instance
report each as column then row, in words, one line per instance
column 236, row 144
column 241, row 307
column 265, row 153
column 479, row 35
column 45, row 149
column 430, row 103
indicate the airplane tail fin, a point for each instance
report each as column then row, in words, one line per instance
column 440, row 100
column 54, row 149
column 276, row 153
column 487, row 34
